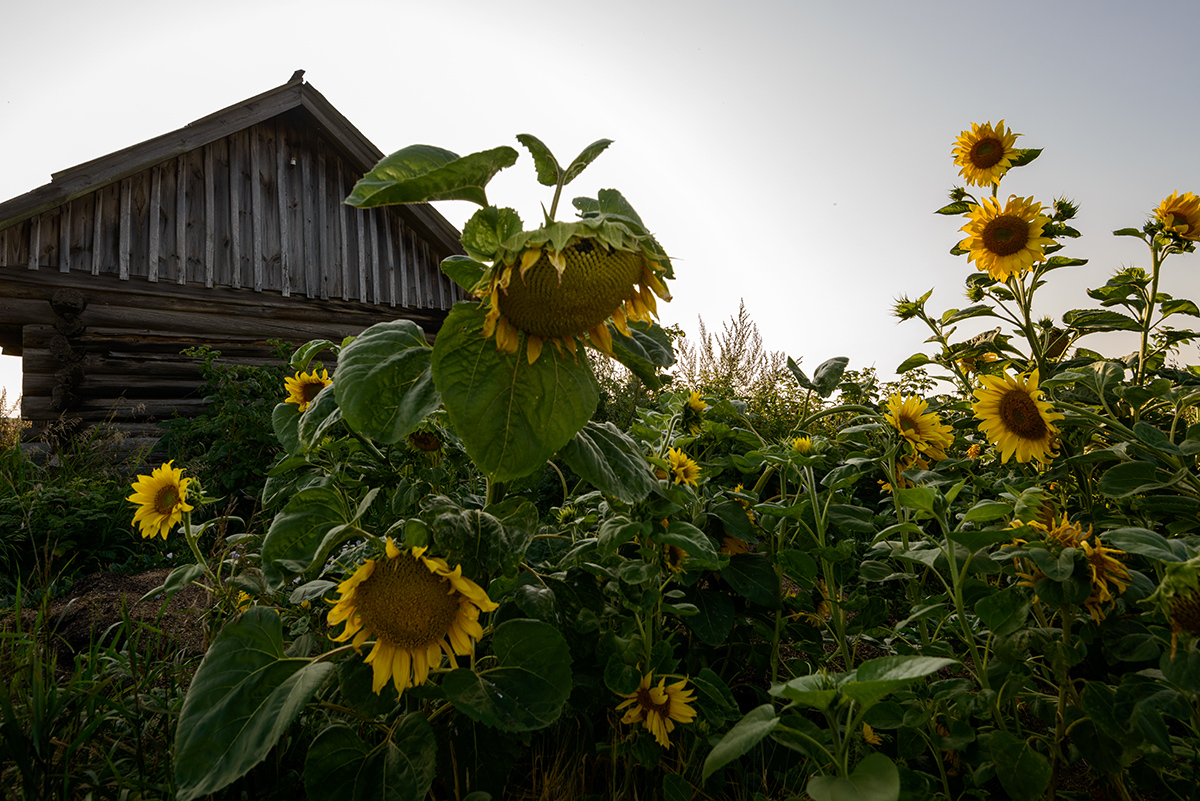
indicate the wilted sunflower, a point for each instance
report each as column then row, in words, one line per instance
column 920, row 428
column 1005, row 241
column 1105, row 569
column 416, row 608
column 162, row 500
column 683, row 469
column 304, row 387
column 1015, row 418
column 733, row 545
column 1178, row 597
column 659, row 707
column 569, row 294
column 985, row 153
column 1180, row 214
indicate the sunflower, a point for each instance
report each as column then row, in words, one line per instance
column 985, row 153
column 733, row 545
column 416, row 608
column 802, row 445
column 1015, row 418
column 974, row 451
column 1105, row 569
column 684, row 470
column 1180, row 214
column 161, row 498
column 1005, row 241
column 303, row 388
column 659, row 707
column 693, row 413
column 745, row 504
column 869, row 735
column 921, row 429
column 564, row 295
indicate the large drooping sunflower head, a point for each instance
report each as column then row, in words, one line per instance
column 416, row 608
column 922, row 429
column 1015, row 418
column 1178, row 599
column 1107, row 573
column 568, row 294
column 659, row 707
column 1180, row 214
column 161, row 498
column 985, row 153
column 303, row 388
column 1005, row 241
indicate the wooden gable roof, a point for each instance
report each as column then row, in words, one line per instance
column 248, row 198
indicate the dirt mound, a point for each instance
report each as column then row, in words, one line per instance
column 95, row 603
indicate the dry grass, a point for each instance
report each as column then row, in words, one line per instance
column 11, row 423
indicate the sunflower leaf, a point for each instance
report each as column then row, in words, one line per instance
column 464, row 271
column 647, row 350
column 487, row 229
column 1128, row 232
column 1091, row 320
column 383, row 384
column 611, row 461
column 511, row 415
column 548, row 171
column 245, row 694
column 528, row 688
column 744, row 735
column 421, row 173
column 303, row 532
column 585, row 158
column 961, row 207
column 1025, row 155
column 340, row 765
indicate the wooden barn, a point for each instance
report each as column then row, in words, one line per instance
column 231, row 232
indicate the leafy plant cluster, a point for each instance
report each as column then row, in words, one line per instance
column 993, row 592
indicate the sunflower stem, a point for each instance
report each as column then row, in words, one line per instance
column 1156, row 260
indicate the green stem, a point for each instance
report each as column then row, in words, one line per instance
column 1156, row 260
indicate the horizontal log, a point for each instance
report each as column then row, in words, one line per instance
column 37, row 409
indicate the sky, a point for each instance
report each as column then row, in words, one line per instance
column 788, row 155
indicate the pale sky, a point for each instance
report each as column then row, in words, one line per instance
column 789, row 154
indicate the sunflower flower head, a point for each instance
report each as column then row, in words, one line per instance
column 920, row 428
column 683, row 469
column 1005, row 241
column 161, row 498
column 659, row 707
column 1178, row 599
column 566, row 292
column 1014, row 417
column 1180, row 214
column 693, row 413
column 733, row 545
column 802, row 445
column 1105, row 570
column 985, row 153
column 302, row 389
column 416, row 608
column 745, row 504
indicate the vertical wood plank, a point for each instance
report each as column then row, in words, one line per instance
column 310, row 256
column 362, row 256
column 235, row 208
column 98, row 210
column 256, row 204
column 403, row 248
column 64, row 238
column 323, row 223
column 155, row 223
column 418, row 269
column 373, row 233
column 281, row 184
column 124, row 241
column 433, row 288
column 35, row 241
column 180, row 221
column 210, row 211
column 389, row 248
column 343, row 212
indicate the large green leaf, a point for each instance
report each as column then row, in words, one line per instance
column 340, row 765
column 319, row 417
column 645, row 352
column 303, row 532
column 611, row 461
column 744, row 735
column 1091, row 320
column 753, row 577
column 816, row 690
column 586, row 157
column 694, row 542
column 1147, row 543
column 1133, row 478
column 383, row 383
column 421, row 173
column 875, row 779
column 1024, row 773
column 285, row 420
column 1005, row 611
column 875, row 679
column 548, row 171
column 511, row 415
column 825, row 378
column 527, row 690
column 245, row 693
column 487, row 230
column 479, row 542
column 715, row 618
